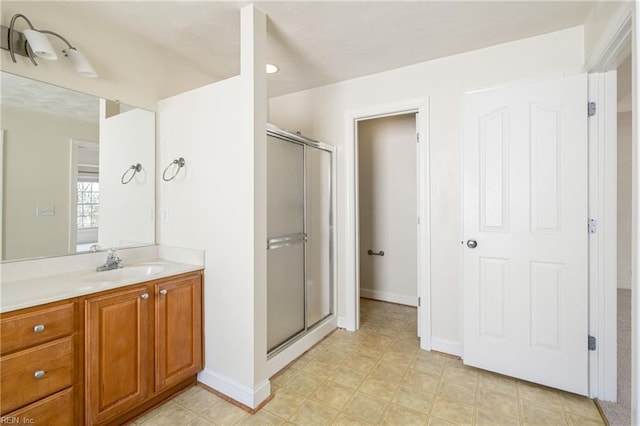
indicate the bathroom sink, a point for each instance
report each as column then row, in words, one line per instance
column 126, row 273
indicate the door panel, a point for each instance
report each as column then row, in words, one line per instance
column 285, row 188
column 525, row 203
column 178, row 330
column 319, row 231
column 387, row 208
column 286, row 241
column 118, row 337
column 285, row 294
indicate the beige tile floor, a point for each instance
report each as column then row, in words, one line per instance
column 380, row 376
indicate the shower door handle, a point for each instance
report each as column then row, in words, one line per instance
column 286, row 241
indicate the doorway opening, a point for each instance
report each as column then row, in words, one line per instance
column 416, row 111
column 619, row 412
column 387, row 217
column 84, row 198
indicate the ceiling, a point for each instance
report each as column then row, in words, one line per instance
column 37, row 97
column 26, row 94
column 321, row 42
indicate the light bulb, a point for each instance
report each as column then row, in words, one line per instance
column 80, row 63
column 40, row 45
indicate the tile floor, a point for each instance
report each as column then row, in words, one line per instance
column 380, row 376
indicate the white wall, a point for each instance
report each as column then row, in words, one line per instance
column 624, row 200
column 37, row 172
column 218, row 203
column 388, row 208
column 129, row 69
column 443, row 81
column 127, row 212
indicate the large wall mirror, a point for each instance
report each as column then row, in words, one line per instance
column 77, row 171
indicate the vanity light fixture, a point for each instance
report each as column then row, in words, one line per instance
column 34, row 42
column 272, row 69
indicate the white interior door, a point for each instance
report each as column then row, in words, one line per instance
column 525, row 206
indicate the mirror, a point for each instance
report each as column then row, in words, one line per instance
column 69, row 176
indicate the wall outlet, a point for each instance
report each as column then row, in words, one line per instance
column 46, row 210
column 164, row 214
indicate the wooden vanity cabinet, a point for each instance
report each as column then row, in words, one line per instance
column 178, row 330
column 39, row 350
column 118, row 340
column 143, row 343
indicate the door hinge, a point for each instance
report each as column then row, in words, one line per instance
column 418, row 220
column 593, row 226
column 418, row 137
column 591, row 109
column 419, row 302
column 592, row 343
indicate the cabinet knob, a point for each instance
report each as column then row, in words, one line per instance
column 39, row 374
column 38, row 328
column 144, row 296
column 163, row 292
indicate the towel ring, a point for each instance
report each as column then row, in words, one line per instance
column 135, row 168
column 179, row 162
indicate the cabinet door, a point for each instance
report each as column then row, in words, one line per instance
column 178, row 330
column 118, row 338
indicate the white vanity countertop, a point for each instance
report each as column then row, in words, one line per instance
column 37, row 291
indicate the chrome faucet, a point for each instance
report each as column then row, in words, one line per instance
column 113, row 262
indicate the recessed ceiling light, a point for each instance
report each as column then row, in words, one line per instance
column 271, row 69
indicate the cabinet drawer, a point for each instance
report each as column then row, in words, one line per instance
column 54, row 410
column 34, row 373
column 30, row 329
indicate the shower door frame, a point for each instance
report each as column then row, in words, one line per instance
column 331, row 150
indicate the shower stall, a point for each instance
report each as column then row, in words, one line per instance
column 300, row 230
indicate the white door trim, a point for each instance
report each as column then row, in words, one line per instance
column 603, row 244
column 351, row 256
column 610, row 50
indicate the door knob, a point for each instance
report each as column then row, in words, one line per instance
column 472, row 244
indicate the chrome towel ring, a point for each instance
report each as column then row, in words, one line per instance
column 179, row 162
column 135, row 168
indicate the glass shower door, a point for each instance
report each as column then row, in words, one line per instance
column 286, row 242
column 319, row 236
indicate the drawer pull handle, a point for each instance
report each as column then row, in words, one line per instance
column 39, row 374
column 163, row 292
column 38, row 328
column 144, row 296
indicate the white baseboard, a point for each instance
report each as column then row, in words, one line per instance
column 624, row 285
column 251, row 397
column 387, row 296
column 446, row 346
